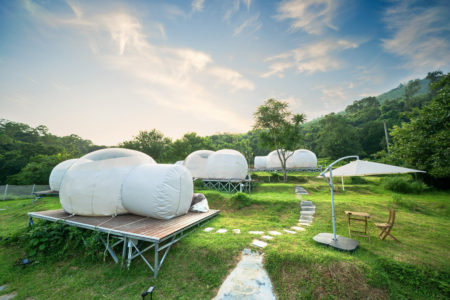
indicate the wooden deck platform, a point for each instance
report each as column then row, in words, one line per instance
column 133, row 232
column 129, row 225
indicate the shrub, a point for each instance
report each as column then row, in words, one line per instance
column 403, row 185
column 199, row 184
column 55, row 239
column 355, row 180
column 242, row 200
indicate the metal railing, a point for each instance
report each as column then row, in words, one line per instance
column 10, row 191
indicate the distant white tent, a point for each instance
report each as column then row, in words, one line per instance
column 366, row 168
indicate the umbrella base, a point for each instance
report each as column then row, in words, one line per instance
column 341, row 243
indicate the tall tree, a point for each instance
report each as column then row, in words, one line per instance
column 280, row 128
column 153, row 143
column 337, row 137
column 424, row 143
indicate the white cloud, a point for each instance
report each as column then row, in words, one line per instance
column 312, row 16
column 251, row 24
column 318, row 56
column 182, row 79
column 197, row 5
column 419, row 34
column 234, row 7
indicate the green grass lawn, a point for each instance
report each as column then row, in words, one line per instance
column 416, row 268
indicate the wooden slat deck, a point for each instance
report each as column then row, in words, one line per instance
column 129, row 225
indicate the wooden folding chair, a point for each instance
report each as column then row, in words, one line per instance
column 387, row 227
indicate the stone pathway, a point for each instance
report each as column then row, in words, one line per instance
column 248, row 280
column 307, row 211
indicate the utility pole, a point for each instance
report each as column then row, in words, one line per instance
column 387, row 138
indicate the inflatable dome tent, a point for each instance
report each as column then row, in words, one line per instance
column 260, row 162
column 196, row 163
column 58, row 172
column 273, row 161
column 303, row 158
column 227, row 164
column 116, row 181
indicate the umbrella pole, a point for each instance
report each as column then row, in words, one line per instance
column 332, row 204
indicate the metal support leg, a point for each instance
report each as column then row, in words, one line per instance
column 156, row 266
column 130, row 250
column 110, row 250
column 30, row 221
column 124, row 249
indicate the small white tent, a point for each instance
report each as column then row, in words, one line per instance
column 196, row 163
column 58, row 172
column 260, row 162
column 303, row 158
column 227, row 164
column 273, row 161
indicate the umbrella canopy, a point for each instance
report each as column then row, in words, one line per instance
column 365, row 168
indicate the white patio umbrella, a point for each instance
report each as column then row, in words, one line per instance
column 366, row 168
column 355, row 168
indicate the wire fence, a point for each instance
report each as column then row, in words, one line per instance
column 8, row 192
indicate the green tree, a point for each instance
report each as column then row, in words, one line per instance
column 337, row 137
column 153, row 143
column 189, row 143
column 38, row 170
column 279, row 128
column 424, row 143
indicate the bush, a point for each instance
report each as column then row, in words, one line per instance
column 55, row 239
column 296, row 179
column 242, row 200
column 199, row 184
column 355, row 180
column 403, row 185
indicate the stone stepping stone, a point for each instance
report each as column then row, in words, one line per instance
column 258, row 243
column 300, row 190
column 273, row 232
column 306, row 203
column 306, row 218
column 236, row 231
column 307, row 213
column 289, row 231
column 267, row 237
column 208, row 229
column 305, row 223
column 256, row 232
column 8, row 296
column 298, row 228
column 308, row 208
column 221, row 230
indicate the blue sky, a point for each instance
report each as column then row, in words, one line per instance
column 106, row 69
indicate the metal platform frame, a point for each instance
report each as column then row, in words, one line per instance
column 133, row 245
column 229, row 185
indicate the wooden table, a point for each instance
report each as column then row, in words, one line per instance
column 359, row 217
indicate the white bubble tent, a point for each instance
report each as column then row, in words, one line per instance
column 224, row 170
column 299, row 160
column 125, row 194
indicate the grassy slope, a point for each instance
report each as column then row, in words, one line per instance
column 299, row 268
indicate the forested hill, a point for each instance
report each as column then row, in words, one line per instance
column 399, row 92
column 359, row 129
